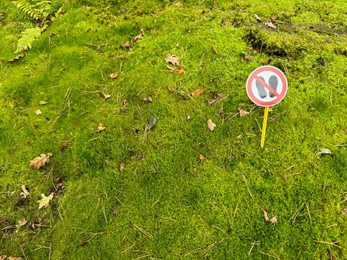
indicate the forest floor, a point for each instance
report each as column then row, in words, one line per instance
column 119, row 93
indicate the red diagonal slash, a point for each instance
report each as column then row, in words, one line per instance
column 266, row 86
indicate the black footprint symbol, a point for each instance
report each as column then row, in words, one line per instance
column 261, row 88
column 273, row 82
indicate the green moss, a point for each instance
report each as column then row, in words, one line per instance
column 167, row 203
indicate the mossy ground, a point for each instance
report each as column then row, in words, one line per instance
column 166, row 204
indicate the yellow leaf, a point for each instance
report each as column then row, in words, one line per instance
column 44, row 201
column 101, row 127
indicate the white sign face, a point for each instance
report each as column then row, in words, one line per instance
column 266, row 86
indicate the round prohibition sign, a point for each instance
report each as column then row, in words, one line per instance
column 266, row 86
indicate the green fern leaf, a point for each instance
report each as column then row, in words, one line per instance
column 27, row 39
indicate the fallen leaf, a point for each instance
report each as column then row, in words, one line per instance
column 126, row 45
column 266, row 216
column 211, row 125
column 239, row 137
column 197, row 92
column 181, row 70
column 249, row 58
column 19, row 57
column 24, row 193
column 101, row 127
column 113, row 75
column 273, row 220
column 125, row 102
column 178, row 4
column 140, row 36
column 22, row 222
column 104, row 96
column 170, row 68
column 243, row 112
column 270, row 25
column 148, row 100
column 201, row 158
column 14, row 258
column 344, row 211
column 324, row 151
column 171, row 59
column 43, row 102
column 44, row 201
column 3, row 257
column 38, row 112
column 121, row 167
column 273, row 19
column 257, row 18
column 40, row 161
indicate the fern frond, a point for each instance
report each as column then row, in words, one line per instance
column 27, row 39
column 28, row 10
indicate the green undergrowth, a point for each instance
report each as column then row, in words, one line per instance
column 129, row 194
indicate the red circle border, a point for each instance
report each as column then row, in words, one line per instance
column 252, row 76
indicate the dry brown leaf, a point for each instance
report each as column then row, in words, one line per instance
column 101, row 127
column 38, row 112
column 3, row 257
column 125, row 102
column 104, row 96
column 211, row 125
column 344, row 211
column 266, row 216
column 40, row 161
column 201, row 158
column 147, row 100
column 140, row 36
column 270, row 25
column 113, row 75
column 273, row 19
column 178, row 4
column 126, row 45
column 171, row 68
column 19, row 57
column 243, row 112
column 181, row 71
column 249, row 58
column 257, row 18
column 273, row 220
column 172, row 59
column 197, row 92
column 24, row 193
column 22, row 222
column 14, row 258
